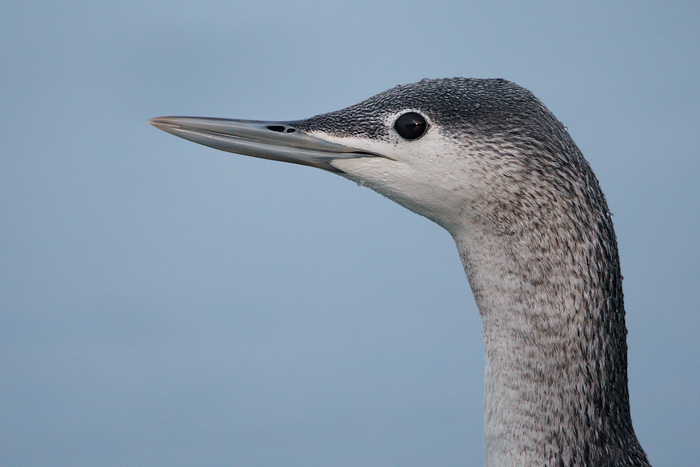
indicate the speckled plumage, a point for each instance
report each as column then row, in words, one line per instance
column 535, row 235
column 502, row 175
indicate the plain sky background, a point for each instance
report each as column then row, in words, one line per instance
column 167, row 304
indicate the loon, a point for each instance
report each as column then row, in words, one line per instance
column 486, row 160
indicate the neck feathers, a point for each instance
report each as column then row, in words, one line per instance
column 548, row 286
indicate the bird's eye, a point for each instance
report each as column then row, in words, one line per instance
column 411, row 125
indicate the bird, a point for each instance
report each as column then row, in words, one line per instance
column 489, row 162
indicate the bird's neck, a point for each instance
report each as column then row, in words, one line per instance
column 556, row 354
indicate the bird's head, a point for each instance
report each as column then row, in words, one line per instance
column 448, row 149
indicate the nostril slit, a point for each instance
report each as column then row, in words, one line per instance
column 291, row 130
column 279, row 128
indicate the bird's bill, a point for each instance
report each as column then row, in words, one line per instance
column 279, row 141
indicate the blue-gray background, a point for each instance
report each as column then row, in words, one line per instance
column 167, row 304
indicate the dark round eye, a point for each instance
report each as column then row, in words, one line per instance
column 411, row 125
